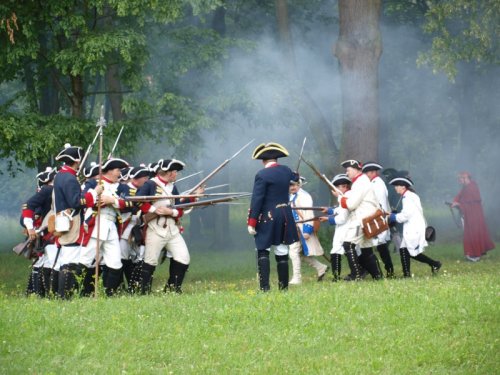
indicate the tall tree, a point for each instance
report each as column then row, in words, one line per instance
column 358, row 50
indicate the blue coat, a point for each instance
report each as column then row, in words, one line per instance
column 270, row 212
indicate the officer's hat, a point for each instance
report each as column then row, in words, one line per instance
column 70, row 154
column 114, row 163
column 351, row 163
column 298, row 180
column 266, row 151
column 91, row 171
column 371, row 166
column 45, row 177
column 401, row 181
column 138, row 172
column 170, row 165
column 341, row 179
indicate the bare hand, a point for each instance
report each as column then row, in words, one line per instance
column 323, row 218
column 335, row 192
column 251, row 230
column 164, row 211
column 324, row 210
column 104, row 200
column 200, row 190
column 306, row 236
column 31, row 234
column 99, row 189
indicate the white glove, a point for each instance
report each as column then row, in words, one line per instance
column 251, row 230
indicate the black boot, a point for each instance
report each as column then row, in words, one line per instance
column 127, row 269
column 282, row 266
column 114, row 278
column 405, row 261
column 30, row 288
column 264, row 267
column 147, row 278
column 434, row 264
column 67, row 280
column 385, row 255
column 88, row 278
column 352, row 260
column 47, row 285
column 369, row 262
column 135, row 280
column 336, row 261
column 37, row 277
column 176, row 277
column 54, row 282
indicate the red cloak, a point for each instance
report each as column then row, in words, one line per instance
column 477, row 240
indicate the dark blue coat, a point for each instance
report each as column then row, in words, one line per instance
column 270, row 212
column 39, row 204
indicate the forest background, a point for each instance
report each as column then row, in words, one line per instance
column 196, row 80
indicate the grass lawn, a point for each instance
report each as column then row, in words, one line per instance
column 448, row 324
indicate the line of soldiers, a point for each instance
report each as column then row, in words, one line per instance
column 91, row 225
column 275, row 219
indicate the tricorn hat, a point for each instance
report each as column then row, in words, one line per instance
column 70, row 154
column 401, row 181
column 351, row 163
column 46, row 176
column 169, row 165
column 371, row 166
column 125, row 173
column 341, row 179
column 114, row 163
column 298, row 180
column 91, row 171
column 266, row 151
column 138, row 172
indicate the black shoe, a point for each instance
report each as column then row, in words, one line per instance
column 322, row 276
column 435, row 268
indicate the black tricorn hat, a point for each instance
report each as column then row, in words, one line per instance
column 114, row 163
column 266, row 151
column 351, row 163
column 70, row 154
column 138, row 172
column 46, row 176
column 341, row 179
column 91, row 171
column 170, row 165
column 125, row 173
column 371, row 166
column 401, row 181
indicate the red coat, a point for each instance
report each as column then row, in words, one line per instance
column 477, row 240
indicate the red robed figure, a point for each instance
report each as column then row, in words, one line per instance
column 477, row 240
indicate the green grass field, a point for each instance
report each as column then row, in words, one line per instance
column 448, row 324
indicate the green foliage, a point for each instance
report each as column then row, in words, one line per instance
column 462, row 30
column 221, row 324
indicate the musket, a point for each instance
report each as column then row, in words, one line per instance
column 149, row 198
column 209, row 202
column 116, row 143
column 300, row 155
column 87, row 153
column 101, row 123
column 323, row 177
column 210, row 188
column 307, row 220
column 189, row 176
column 308, row 208
column 222, row 165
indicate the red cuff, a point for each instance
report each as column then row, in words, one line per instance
column 180, row 211
column 252, row 222
column 122, row 204
column 28, row 214
column 343, row 202
column 145, row 207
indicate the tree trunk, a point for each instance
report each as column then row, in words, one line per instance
column 358, row 50
column 114, row 88
column 77, row 97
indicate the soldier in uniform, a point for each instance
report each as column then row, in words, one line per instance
column 270, row 218
column 34, row 217
column 308, row 247
column 412, row 217
column 136, row 177
column 69, row 201
column 163, row 231
column 361, row 202
column 371, row 169
column 338, row 216
column 109, row 245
